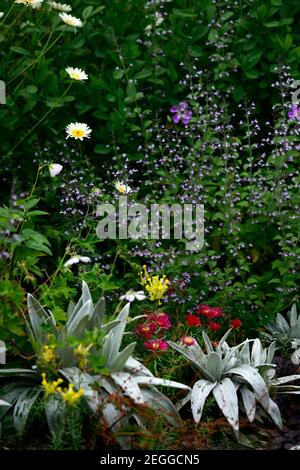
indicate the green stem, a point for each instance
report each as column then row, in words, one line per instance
column 7, row 14
column 45, row 49
column 11, row 25
column 43, row 118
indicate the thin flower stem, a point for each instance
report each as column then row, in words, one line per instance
column 45, row 49
column 7, row 14
column 12, row 24
column 43, row 118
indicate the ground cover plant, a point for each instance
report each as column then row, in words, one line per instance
column 158, row 105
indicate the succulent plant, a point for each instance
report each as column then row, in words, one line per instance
column 237, row 377
column 286, row 333
column 123, row 375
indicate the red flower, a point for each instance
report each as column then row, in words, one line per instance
column 156, row 345
column 193, row 320
column 188, row 340
column 210, row 312
column 236, row 323
column 146, row 330
column 214, row 326
column 204, row 310
column 162, row 320
column 216, row 312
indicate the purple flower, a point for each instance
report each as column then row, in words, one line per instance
column 294, row 112
column 182, row 112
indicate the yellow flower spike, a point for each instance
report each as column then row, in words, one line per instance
column 154, row 285
column 50, row 387
column 48, row 354
column 81, row 352
column 70, row 396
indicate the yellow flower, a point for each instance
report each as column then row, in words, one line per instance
column 69, row 396
column 48, row 354
column 50, row 387
column 81, row 352
column 155, row 286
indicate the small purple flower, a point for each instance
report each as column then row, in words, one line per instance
column 294, row 113
column 182, row 112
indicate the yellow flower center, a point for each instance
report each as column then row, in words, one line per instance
column 78, row 133
column 75, row 76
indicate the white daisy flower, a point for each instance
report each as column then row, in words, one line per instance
column 122, row 187
column 60, row 6
column 31, row 3
column 78, row 130
column 1, row 14
column 71, row 20
column 132, row 295
column 77, row 259
column 55, row 169
column 76, row 74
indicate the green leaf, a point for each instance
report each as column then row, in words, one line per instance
column 29, row 202
column 131, row 91
column 144, row 73
column 118, row 74
column 103, row 149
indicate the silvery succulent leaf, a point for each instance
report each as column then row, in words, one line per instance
column 55, row 410
column 226, row 398
column 118, row 364
column 214, row 365
column 185, row 352
column 253, row 378
column 129, row 385
column 22, row 407
column 208, row 345
column 39, row 324
column 274, row 412
column 295, row 357
column 249, row 402
column 200, row 392
column 135, row 367
column 143, row 380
